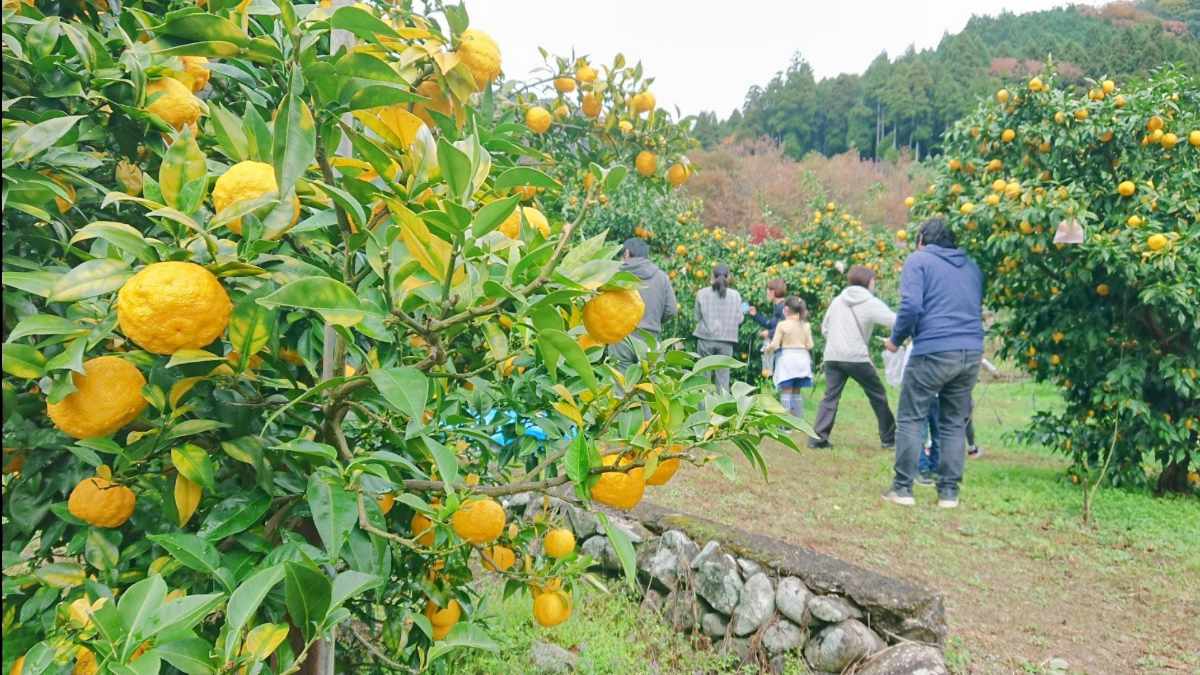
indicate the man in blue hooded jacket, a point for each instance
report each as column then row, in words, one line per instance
column 941, row 309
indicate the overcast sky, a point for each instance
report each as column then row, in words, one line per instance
column 705, row 54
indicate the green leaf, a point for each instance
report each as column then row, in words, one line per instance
column 463, row 636
column 61, row 574
column 191, row 551
column 39, row 137
column 185, row 356
column 334, row 511
column 524, row 175
column 456, row 169
column 234, row 514
column 40, row 284
column 307, row 594
column 263, row 640
column 614, row 178
column 622, row 546
column 228, row 129
column 713, row 362
column 295, row 138
column 249, row 329
column 244, row 602
column 491, row 216
column 301, row 446
column 446, row 461
column 574, row 355
column 89, row 279
column 190, row 655
column 138, row 604
column 405, row 389
column 203, row 27
column 350, row 584
column 23, row 361
column 70, row 358
column 361, row 23
column 183, row 174
column 99, row 551
column 38, row 659
column 182, row 614
column 336, row 302
column 125, row 237
column 578, row 460
column 192, row 427
column 194, row 463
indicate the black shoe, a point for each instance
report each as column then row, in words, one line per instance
column 888, row 446
column 926, row 479
column 974, row 452
column 819, row 445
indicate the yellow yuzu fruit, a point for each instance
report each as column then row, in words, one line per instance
column 479, row 52
column 559, row 542
column 385, row 502
column 646, row 163
column 422, row 529
column 107, row 396
column 173, row 305
column 585, row 73
column 498, row 558
column 538, row 119
column 248, row 180
column 677, row 175
column 564, row 85
column 1126, row 188
column 100, row 502
column 479, row 521
column 619, row 489
column 1157, row 242
column 590, row 105
column 173, row 102
column 551, row 608
column 611, row 315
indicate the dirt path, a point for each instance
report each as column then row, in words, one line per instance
column 1025, row 582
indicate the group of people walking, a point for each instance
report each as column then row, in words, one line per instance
column 940, row 314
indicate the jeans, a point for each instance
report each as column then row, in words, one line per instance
column 929, row 462
column 836, row 374
column 947, row 377
column 709, row 347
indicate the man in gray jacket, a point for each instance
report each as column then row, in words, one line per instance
column 848, row 323
column 657, row 294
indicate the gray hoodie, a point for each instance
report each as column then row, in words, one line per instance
column 853, row 313
column 656, row 292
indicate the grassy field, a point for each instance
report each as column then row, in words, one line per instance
column 1028, row 586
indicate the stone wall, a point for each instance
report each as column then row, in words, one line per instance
column 762, row 598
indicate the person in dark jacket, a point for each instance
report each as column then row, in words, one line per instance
column 657, row 294
column 777, row 293
column 941, row 310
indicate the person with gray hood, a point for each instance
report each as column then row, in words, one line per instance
column 849, row 321
column 657, row 294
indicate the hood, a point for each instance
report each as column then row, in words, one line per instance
column 643, row 268
column 855, row 295
column 954, row 256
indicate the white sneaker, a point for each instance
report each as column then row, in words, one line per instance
column 947, row 502
column 897, row 498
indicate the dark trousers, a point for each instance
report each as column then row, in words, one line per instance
column 949, row 377
column 836, row 374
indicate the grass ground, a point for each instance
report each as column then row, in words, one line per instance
column 1028, row 586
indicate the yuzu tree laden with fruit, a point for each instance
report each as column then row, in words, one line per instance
column 274, row 346
column 1083, row 209
column 811, row 256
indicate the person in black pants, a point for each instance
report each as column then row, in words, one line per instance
column 850, row 319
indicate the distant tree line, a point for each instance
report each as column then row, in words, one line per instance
column 908, row 102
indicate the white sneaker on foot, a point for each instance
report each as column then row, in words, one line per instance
column 898, row 498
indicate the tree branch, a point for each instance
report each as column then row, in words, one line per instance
column 375, row 651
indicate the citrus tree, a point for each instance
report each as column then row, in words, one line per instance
column 812, row 256
column 1083, row 208
column 277, row 338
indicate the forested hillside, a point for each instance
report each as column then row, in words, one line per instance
column 909, row 101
